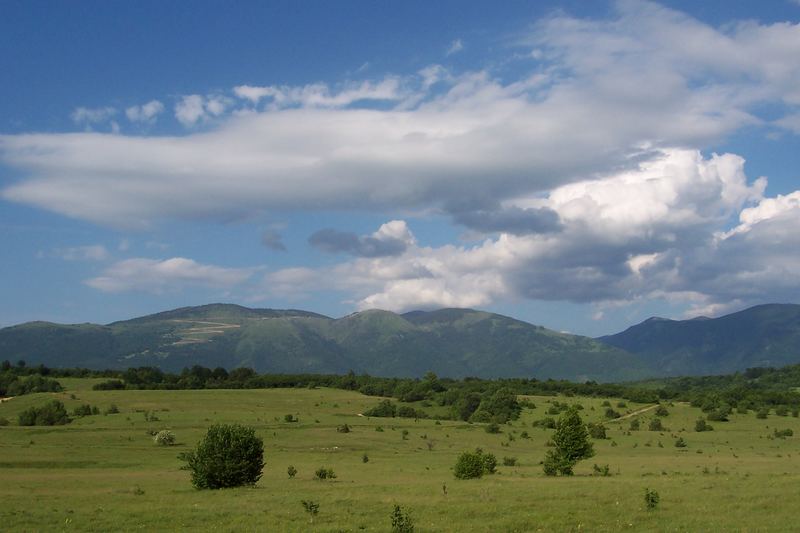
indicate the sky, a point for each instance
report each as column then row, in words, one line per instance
column 578, row 165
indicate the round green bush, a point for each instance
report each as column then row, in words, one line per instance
column 164, row 438
column 228, row 456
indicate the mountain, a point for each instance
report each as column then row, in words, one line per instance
column 765, row 335
column 450, row 342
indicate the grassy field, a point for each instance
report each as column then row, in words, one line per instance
column 104, row 473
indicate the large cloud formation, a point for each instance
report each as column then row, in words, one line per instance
column 583, row 171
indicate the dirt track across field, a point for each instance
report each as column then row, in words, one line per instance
column 637, row 412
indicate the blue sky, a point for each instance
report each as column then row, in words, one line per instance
column 579, row 165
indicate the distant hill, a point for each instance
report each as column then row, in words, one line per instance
column 450, row 342
column 762, row 336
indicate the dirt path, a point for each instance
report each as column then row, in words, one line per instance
column 635, row 413
column 6, row 399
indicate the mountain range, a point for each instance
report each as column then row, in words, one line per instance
column 449, row 342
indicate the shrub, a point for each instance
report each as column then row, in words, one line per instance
column 401, row 521
column 597, row 430
column 603, row 471
column 82, row 410
column 656, row 425
column 384, row 409
column 782, row 434
column 112, row 410
column 702, row 425
column 509, row 461
column 782, row 410
column 311, row 507
column 3, row 421
column 164, row 438
column 471, row 465
column 762, row 413
column 365, row 458
column 52, row 413
column 651, row 499
column 112, row 384
column 493, row 428
column 546, row 422
column 344, row 428
column 228, row 456
column 292, row 471
column 661, row 411
column 635, row 424
column 610, row 413
column 323, row 473
column 680, row 443
column 290, row 418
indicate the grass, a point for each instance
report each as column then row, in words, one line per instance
column 104, row 473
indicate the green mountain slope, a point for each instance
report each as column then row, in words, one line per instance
column 765, row 335
column 450, row 342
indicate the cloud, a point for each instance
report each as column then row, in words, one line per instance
column 321, row 95
column 656, row 231
column 146, row 113
column 159, row 276
column 604, row 95
column 94, row 252
column 511, row 219
column 456, row 46
column 195, row 108
column 391, row 238
column 272, row 240
column 88, row 116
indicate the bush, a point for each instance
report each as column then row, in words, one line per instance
column 493, row 428
column 656, row 425
column 401, row 521
column 603, row 471
column 546, row 422
column 112, row 410
column 311, row 507
column 661, row 411
column 651, row 499
column 52, row 413
column 82, row 410
column 635, row 424
column 610, row 413
column 344, row 428
column 112, row 384
column 782, row 434
column 323, row 473
column 471, row 465
column 384, row 409
column 509, row 461
column 762, row 413
column 164, row 438
column 782, row 410
column 228, row 456
column 290, row 418
column 597, row 430
column 702, row 425
column 292, row 471
column 680, row 443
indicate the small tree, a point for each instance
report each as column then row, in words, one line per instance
column 597, row 430
column 651, row 499
column 292, row 471
column 656, row 425
column 401, row 521
column 311, row 507
column 571, row 444
column 228, row 456
column 702, row 425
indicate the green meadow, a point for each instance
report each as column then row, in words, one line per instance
column 105, row 473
